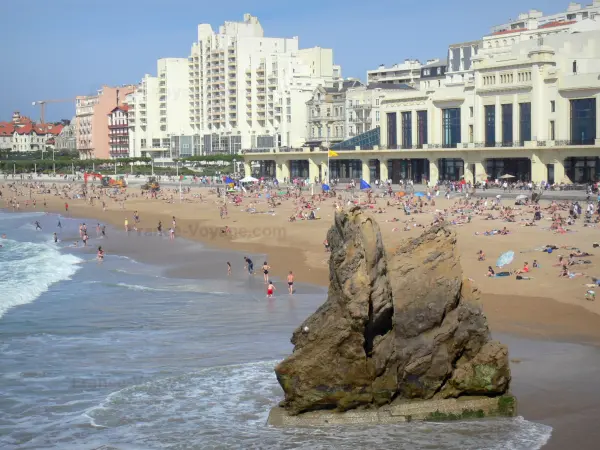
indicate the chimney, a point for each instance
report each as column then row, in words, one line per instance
column 117, row 96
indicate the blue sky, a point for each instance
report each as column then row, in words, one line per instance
column 54, row 49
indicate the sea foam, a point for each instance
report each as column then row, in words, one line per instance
column 28, row 269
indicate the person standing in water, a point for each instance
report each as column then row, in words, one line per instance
column 290, row 281
column 100, row 255
column 270, row 290
column 228, row 268
column 55, row 238
column 265, row 269
column 38, row 226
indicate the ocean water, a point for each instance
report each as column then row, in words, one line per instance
column 118, row 356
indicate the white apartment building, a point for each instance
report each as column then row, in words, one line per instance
column 535, row 25
column 84, row 112
column 406, row 73
column 534, row 114
column 158, row 112
column 249, row 91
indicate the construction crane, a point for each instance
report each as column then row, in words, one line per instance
column 42, row 104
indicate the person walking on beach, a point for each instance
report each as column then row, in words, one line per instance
column 159, row 228
column 290, row 281
column 249, row 265
column 126, row 225
column 172, row 233
column 174, row 223
column 67, row 208
column 265, row 269
column 228, row 268
column 270, row 290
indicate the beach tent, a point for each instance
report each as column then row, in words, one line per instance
column 249, row 179
column 364, row 184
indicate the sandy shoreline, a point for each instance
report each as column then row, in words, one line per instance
column 557, row 388
column 544, row 306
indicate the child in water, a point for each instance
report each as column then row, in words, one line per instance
column 270, row 290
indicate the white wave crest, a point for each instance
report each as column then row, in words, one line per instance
column 28, row 269
column 227, row 407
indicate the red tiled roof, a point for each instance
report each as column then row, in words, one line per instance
column 24, row 129
column 509, row 31
column 122, row 107
column 46, row 128
column 6, row 129
column 558, row 24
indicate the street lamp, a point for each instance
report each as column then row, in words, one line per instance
column 234, row 166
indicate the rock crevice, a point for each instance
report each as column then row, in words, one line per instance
column 395, row 327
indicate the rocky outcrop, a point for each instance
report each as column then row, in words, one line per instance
column 394, row 328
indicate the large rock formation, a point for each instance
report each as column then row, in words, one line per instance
column 394, row 327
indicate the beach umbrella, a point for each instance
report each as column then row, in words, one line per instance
column 249, row 179
column 506, row 176
column 325, row 187
column 522, row 197
column 400, row 194
column 364, row 184
column 505, row 259
column 420, row 194
column 228, row 180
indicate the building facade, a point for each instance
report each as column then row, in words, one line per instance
column 326, row 112
column 91, row 125
column 118, row 132
column 66, row 141
column 406, row 73
column 532, row 113
column 158, row 110
column 243, row 87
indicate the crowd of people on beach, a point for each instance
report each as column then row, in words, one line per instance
column 409, row 211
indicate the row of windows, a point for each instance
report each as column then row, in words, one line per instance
column 506, row 78
column 582, row 126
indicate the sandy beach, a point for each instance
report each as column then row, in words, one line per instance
column 545, row 305
column 547, row 309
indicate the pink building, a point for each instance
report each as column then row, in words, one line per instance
column 118, row 132
column 91, row 126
